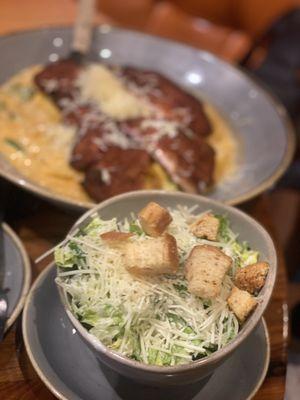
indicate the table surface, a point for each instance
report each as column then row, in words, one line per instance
column 41, row 225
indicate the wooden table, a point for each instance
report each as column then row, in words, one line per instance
column 41, row 225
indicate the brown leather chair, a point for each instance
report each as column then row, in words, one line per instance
column 170, row 21
column 224, row 27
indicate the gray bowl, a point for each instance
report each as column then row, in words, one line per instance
column 260, row 124
column 249, row 230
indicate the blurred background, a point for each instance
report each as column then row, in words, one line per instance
column 263, row 37
column 228, row 28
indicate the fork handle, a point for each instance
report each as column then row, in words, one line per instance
column 82, row 34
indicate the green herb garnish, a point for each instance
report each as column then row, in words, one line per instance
column 14, row 144
column 25, row 93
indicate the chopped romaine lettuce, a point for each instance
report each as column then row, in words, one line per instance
column 156, row 321
column 93, row 227
column 70, row 256
column 134, row 228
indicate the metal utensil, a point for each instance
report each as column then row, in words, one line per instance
column 82, row 33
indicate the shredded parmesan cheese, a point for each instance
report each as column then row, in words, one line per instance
column 99, row 85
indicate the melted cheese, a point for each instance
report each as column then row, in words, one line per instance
column 99, row 85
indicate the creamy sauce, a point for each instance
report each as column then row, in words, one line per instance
column 33, row 138
column 224, row 143
column 38, row 145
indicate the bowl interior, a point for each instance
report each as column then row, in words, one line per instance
column 249, row 230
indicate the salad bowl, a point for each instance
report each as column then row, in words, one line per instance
column 248, row 229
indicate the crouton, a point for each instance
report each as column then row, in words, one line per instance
column 115, row 238
column 241, row 303
column 154, row 219
column 206, row 226
column 153, row 256
column 205, row 269
column 252, row 277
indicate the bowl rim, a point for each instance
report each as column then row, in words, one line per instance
column 64, row 201
column 26, row 275
column 219, row 354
